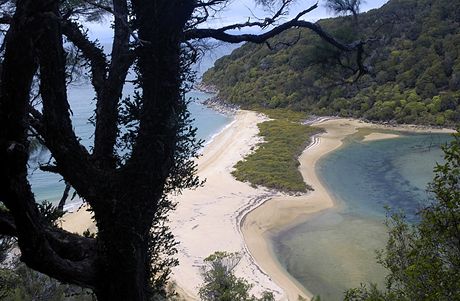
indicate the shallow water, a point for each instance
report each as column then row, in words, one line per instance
column 335, row 249
column 48, row 186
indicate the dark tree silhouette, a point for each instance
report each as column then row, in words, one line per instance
column 157, row 39
column 344, row 6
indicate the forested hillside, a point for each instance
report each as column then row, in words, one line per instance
column 413, row 59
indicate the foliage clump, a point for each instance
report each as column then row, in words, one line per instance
column 18, row 282
column 220, row 282
column 274, row 163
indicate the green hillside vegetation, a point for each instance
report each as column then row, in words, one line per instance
column 414, row 75
column 274, row 163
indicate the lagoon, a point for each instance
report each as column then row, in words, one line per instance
column 335, row 249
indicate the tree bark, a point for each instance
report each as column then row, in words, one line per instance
column 106, row 131
column 123, row 266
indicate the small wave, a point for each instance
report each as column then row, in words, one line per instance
column 74, row 205
column 213, row 136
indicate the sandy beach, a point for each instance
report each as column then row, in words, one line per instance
column 208, row 219
column 227, row 215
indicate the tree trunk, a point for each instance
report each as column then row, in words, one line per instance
column 123, row 272
column 124, row 232
column 126, row 201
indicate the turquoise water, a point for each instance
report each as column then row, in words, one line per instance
column 48, row 186
column 335, row 249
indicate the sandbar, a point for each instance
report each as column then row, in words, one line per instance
column 379, row 136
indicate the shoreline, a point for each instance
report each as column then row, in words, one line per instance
column 213, row 212
column 216, row 211
column 281, row 213
column 213, row 136
column 221, row 210
column 286, row 211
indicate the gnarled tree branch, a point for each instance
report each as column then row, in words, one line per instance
column 42, row 248
column 90, row 51
column 72, row 158
column 107, row 103
column 222, row 34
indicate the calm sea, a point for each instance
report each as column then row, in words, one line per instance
column 335, row 249
column 47, row 186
